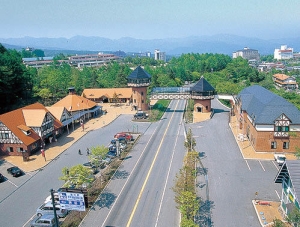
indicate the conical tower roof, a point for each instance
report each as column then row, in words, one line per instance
column 202, row 86
column 139, row 73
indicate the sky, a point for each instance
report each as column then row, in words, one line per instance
column 149, row 19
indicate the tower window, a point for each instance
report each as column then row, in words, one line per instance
column 142, row 93
column 134, row 100
column 142, row 100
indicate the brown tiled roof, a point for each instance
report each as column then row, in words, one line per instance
column 56, row 111
column 74, row 102
column 281, row 76
column 15, row 121
column 96, row 93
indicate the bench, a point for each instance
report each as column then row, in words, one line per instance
column 264, row 203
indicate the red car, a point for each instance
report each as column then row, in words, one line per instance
column 127, row 136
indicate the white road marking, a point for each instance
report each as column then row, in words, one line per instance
column 277, row 194
column 28, row 220
column 247, row 164
column 13, row 183
column 275, row 165
column 261, row 165
column 162, row 198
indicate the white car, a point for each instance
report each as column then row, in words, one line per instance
column 47, row 208
column 279, row 158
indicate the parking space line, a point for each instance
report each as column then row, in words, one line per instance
column 247, row 164
column 277, row 194
column 13, row 183
column 275, row 165
column 261, row 165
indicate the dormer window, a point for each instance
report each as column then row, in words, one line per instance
column 25, row 129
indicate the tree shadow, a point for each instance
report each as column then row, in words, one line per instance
column 120, row 175
column 106, row 199
column 203, row 216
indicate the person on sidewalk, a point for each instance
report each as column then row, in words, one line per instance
column 43, row 154
column 87, row 151
column 79, row 152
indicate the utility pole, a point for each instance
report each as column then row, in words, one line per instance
column 54, row 210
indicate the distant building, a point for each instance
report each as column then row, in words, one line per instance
column 91, row 59
column 283, row 53
column 247, row 53
column 158, row 55
column 285, row 81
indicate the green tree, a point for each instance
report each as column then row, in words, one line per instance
column 278, row 223
column 97, row 154
column 77, row 176
column 294, row 217
column 190, row 142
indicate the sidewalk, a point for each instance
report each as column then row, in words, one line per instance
column 54, row 149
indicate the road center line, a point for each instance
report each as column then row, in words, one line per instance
column 150, row 170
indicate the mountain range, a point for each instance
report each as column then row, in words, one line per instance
column 223, row 44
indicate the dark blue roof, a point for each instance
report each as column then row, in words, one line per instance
column 202, row 86
column 139, row 73
column 265, row 107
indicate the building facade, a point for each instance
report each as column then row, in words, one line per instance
column 158, row 55
column 26, row 130
column 285, row 81
column 283, row 53
column 247, row 53
column 270, row 123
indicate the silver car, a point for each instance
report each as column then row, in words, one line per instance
column 46, row 220
column 47, row 208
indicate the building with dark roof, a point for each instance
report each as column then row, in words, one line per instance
column 289, row 177
column 271, row 123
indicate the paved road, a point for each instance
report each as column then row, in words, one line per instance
column 140, row 193
column 232, row 181
column 22, row 196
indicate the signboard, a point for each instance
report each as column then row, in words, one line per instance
column 71, row 201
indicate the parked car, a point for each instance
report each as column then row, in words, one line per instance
column 279, row 158
column 56, row 198
column 111, row 154
column 91, row 166
column 2, row 178
column 140, row 115
column 107, row 160
column 15, row 171
column 47, row 208
column 127, row 136
column 121, row 140
column 47, row 220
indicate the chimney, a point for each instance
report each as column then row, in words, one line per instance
column 71, row 91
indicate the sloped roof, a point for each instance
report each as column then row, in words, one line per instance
column 56, row 111
column 34, row 117
column 202, row 86
column 290, row 169
column 73, row 102
column 265, row 107
column 281, row 76
column 139, row 73
column 107, row 92
column 15, row 121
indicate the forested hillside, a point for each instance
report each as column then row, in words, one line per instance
column 21, row 86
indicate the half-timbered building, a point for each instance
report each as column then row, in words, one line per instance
column 26, row 130
column 268, row 121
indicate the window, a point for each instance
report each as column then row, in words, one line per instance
column 286, row 145
column 134, row 101
column 142, row 93
column 10, row 149
column 143, row 101
column 20, row 149
column 273, row 145
column 281, row 128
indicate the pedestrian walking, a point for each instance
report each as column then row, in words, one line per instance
column 79, row 152
column 88, row 151
column 43, row 154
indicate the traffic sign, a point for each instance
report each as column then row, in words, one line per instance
column 71, row 201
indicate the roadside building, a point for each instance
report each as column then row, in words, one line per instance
column 289, row 178
column 285, row 81
column 80, row 108
column 26, row 130
column 283, row 53
column 268, row 121
column 108, row 95
column 247, row 53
